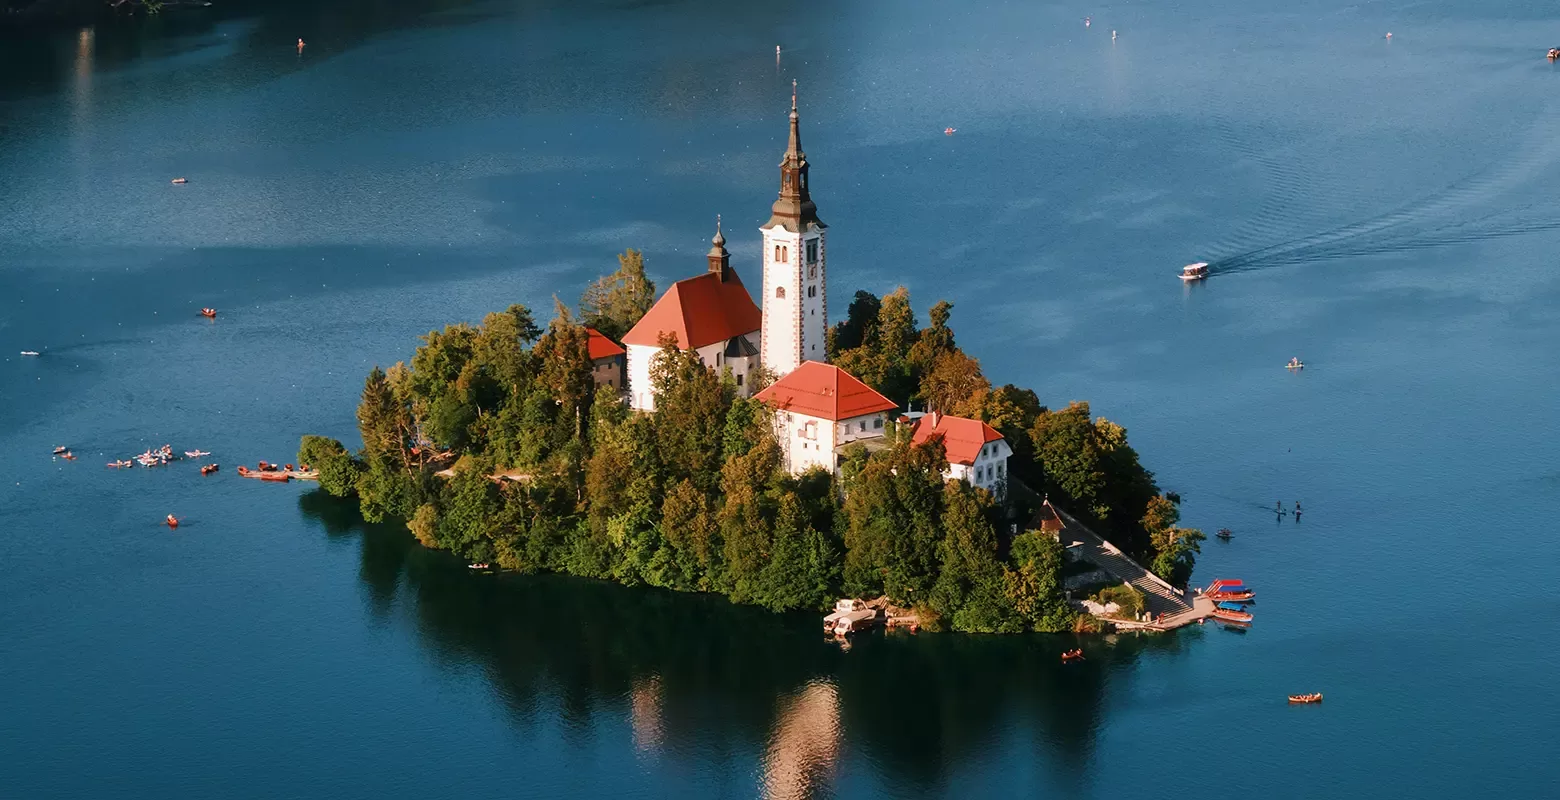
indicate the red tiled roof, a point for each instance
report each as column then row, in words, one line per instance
column 962, row 438
column 700, row 311
column 602, row 347
column 824, row 391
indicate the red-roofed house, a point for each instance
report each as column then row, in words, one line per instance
column 976, row 452
column 606, row 360
column 712, row 315
column 820, row 408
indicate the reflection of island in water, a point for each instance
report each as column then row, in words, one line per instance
column 697, row 678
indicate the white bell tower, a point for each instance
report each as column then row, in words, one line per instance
column 795, row 301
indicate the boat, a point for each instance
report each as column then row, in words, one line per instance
column 180, row 181
column 849, row 616
column 1232, row 595
column 61, row 450
column 121, row 464
column 29, row 352
column 68, row 456
column 1225, row 534
column 173, row 522
column 479, row 565
column 1230, row 605
column 209, row 468
column 1554, row 53
column 196, row 453
column 949, row 131
column 209, row 313
column 1072, row 655
column 1314, row 697
column 1225, row 615
column 1194, row 272
column 1295, row 363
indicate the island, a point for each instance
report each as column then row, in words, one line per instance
column 701, row 442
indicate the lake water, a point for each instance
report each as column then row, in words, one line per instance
column 1382, row 209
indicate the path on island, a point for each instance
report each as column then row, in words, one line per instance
column 1159, row 597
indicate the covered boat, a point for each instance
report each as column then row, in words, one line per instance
column 1194, row 272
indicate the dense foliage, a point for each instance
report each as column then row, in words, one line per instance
column 495, row 444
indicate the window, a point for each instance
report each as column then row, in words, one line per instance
column 785, row 253
column 863, row 425
column 780, row 292
column 777, row 252
column 739, row 379
column 1001, row 470
column 877, row 424
column 812, row 291
column 812, row 251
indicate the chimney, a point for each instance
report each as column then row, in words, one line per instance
column 936, row 415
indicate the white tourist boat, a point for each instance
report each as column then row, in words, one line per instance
column 1194, row 272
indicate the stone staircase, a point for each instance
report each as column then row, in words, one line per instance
column 1158, row 597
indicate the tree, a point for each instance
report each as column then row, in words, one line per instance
column 970, row 590
column 614, row 303
column 745, row 520
column 693, row 542
column 797, row 575
column 954, row 384
column 858, row 327
column 690, row 404
column 565, row 369
column 338, row 469
column 1034, row 583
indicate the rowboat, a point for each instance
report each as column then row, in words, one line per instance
column 208, row 469
column 1072, row 655
column 1230, row 606
column 1231, row 616
column 1239, row 596
column 1225, row 534
column 210, row 313
column 180, row 181
column 121, row 464
column 196, row 453
column 1315, row 697
column 173, row 522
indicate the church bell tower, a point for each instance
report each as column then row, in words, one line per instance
column 795, row 301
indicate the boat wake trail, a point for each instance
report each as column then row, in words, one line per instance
column 1438, row 219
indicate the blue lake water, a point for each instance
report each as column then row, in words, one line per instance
column 1381, row 208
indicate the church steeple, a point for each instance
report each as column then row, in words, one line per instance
column 794, row 209
column 720, row 260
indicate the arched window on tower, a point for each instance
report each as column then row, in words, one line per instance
column 785, row 254
column 812, row 291
column 777, row 253
column 780, row 292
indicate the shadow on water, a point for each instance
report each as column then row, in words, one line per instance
column 699, row 675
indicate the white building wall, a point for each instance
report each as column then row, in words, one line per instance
column 805, row 441
column 642, row 394
column 989, row 471
column 641, row 397
column 795, row 299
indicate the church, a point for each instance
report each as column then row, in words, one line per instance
column 819, row 408
column 713, row 314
